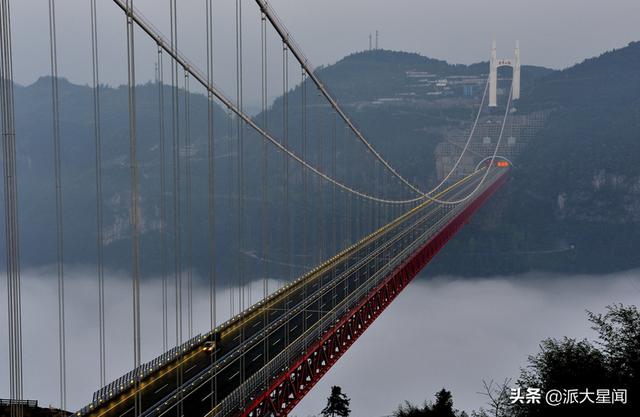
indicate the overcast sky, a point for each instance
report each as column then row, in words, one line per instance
column 552, row 33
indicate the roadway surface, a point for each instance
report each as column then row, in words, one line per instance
column 264, row 331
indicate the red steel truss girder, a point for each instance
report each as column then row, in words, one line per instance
column 287, row 390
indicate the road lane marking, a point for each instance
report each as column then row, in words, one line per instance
column 234, row 375
column 161, row 388
column 208, row 395
column 126, row 412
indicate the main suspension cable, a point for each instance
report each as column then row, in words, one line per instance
column 493, row 156
column 466, row 145
column 228, row 103
column 188, row 152
column 179, row 59
column 304, row 62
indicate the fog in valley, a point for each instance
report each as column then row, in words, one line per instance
column 440, row 332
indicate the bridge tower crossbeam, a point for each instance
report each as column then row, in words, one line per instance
column 496, row 63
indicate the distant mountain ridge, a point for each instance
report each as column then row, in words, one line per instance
column 371, row 74
column 573, row 203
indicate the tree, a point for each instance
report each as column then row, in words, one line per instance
column 619, row 339
column 619, row 333
column 612, row 362
column 337, row 404
column 497, row 399
column 409, row 410
column 442, row 407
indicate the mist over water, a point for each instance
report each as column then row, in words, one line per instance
column 440, row 332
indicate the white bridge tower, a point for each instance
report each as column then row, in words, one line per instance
column 496, row 63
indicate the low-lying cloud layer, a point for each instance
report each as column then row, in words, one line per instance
column 453, row 333
column 440, row 332
column 40, row 328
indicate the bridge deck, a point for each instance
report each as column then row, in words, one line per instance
column 253, row 346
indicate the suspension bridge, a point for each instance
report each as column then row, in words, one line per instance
column 316, row 186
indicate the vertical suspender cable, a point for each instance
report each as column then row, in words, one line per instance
column 163, row 208
column 211, row 193
column 177, row 224
column 53, row 54
column 349, row 198
column 358, row 217
column 303, row 87
column 305, row 185
column 381, row 207
column 7, row 117
column 374, row 205
column 99, row 216
column 320, row 200
column 285, row 186
column 371, row 207
column 238, row 132
column 231, row 185
column 265, row 184
column 285, row 139
column 240, row 184
column 188, row 152
column 334, row 232
column 135, row 224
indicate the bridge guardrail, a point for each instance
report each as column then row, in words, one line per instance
column 127, row 380
column 28, row 403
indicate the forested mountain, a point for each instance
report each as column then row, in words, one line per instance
column 573, row 202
